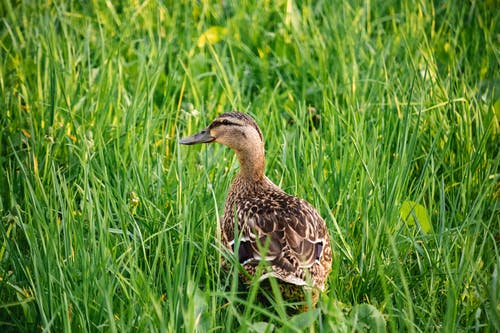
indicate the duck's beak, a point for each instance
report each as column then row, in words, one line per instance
column 201, row 137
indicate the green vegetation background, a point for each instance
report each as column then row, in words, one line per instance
column 368, row 109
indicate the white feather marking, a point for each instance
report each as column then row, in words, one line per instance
column 290, row 279
column 267, row 258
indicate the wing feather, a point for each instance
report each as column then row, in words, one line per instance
column 283, row 230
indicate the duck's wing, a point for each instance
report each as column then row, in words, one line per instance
column 285, row 231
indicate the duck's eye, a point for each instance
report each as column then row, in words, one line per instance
column 218, row 123
column 223, row 122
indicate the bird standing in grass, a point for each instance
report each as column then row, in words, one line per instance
column 272, row 226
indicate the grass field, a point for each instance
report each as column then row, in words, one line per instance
column 383, row 114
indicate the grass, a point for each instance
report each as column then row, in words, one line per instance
column 108, row 224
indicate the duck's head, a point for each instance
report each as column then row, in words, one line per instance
column 234, row 129
column 240, row 132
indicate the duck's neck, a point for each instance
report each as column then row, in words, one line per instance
column 251, row 163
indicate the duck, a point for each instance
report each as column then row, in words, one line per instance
column 262, row 224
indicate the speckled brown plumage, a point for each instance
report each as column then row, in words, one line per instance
column 285, row 231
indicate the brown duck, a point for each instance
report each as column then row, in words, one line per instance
column 283, row 230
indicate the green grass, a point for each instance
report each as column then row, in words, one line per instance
column 108, row 224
